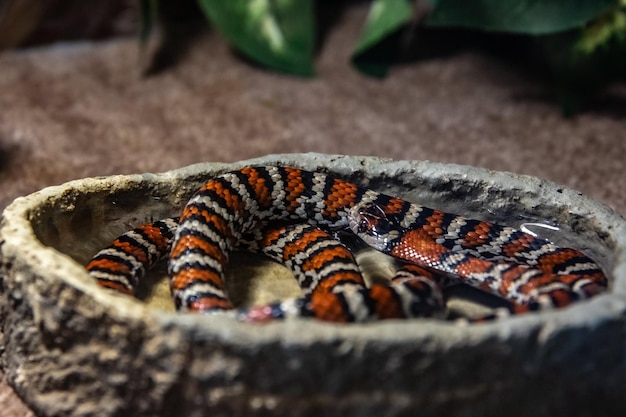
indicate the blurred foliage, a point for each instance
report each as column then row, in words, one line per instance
column 277, row 33
column 148, row 16
column 585, row 60
column 385, row 17
column 581, row 42
column 535, row 17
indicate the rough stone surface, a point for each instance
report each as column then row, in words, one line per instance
column 73, row 349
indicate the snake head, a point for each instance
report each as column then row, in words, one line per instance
column 370, row 222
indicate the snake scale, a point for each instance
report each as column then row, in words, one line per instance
column 291, row 215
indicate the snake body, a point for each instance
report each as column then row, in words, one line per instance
column 289, row 214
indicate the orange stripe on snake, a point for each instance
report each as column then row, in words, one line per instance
column 288, row 214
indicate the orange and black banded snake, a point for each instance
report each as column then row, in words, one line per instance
column 290, row 215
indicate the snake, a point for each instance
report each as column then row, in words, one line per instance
column 293, row 216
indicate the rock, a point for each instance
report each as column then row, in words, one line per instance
column 71, row 348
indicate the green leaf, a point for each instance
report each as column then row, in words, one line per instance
column 277, row 33
column 611, row 26
column 584, row 61
column 385, row 18
column 519, row 16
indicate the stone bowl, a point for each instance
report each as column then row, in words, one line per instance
column 71, row 348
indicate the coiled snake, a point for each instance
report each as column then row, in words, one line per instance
column 290, row 215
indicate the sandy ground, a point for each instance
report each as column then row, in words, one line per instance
column 77, row 110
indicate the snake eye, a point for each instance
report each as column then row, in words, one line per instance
column 363, row 225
